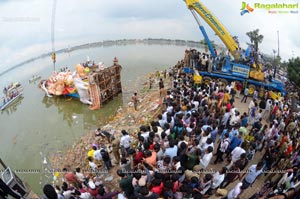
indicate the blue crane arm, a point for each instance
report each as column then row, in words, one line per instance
column 210, row 47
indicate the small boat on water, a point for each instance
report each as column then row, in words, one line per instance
column 34, row 78
column 10, row 101
column 11, row 93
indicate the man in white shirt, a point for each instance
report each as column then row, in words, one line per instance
column 235, row 192
column 176, row 162
column 167, row 129
column 236, row 154
column 253, row 172
column 218, row 178
column 228, row 88
column 170, row 109
column 204, row 185
column 144, row 132
column 203, row 139
column 93, row 166
column 235, row 118
column 205, row 146
column 206, row 158
column 125, row 141
column 267, row 111
column 225, row 117
column 164, row 116
column 172, row 150
column 196, row 103
column 79, row 176
column 161, row 121
column 258, row 116
column 251, row 105
column 97, row 155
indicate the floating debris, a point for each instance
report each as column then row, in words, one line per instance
column 108, row 178
column 45, row 161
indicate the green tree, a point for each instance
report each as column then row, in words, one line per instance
column 255, row 38
column 293, row 70
column 284, row 65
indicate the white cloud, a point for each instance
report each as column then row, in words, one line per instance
column 26, row 25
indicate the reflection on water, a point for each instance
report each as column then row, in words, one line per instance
column 47, row 101
column 71, row 109
column 12, row 107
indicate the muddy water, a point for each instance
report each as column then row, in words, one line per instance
column 37, row 126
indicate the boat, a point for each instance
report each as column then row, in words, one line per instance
column 13, row 87
column 34, row 78
column 10, row 101
column 11, row 93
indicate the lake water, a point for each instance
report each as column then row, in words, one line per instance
column 36, row 126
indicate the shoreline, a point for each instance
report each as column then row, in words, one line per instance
column 125, row 118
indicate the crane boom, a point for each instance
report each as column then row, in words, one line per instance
column 210, row 47
column 53, row 32
column 215, row 24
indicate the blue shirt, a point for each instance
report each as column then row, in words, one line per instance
column 234, row 132
column 205, row 127
column 231, row 135
column 223, row 134
column 213, row 134
column 244, row 121
column 172, row 152
column 253, row 110
column 235, row 142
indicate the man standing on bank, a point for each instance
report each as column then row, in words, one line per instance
column 135, row 101
column 161, row 87
column 246, row 93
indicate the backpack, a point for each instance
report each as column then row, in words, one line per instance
column 222, row 149
column 250, row 155
column 176, row 131
column 104, row 154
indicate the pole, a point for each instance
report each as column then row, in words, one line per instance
column 278, row 43
column 52, row 33
column 274, row 62
column 3, row 164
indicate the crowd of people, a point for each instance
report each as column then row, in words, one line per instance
column 199, row 128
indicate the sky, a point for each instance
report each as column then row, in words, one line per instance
column 25, row 25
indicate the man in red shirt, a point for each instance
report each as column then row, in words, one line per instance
column 136, row 157
column 70, row 177
column 273, row 113
column 239, row 86
column 228, row 106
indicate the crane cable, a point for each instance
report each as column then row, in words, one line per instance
column 52, row 33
